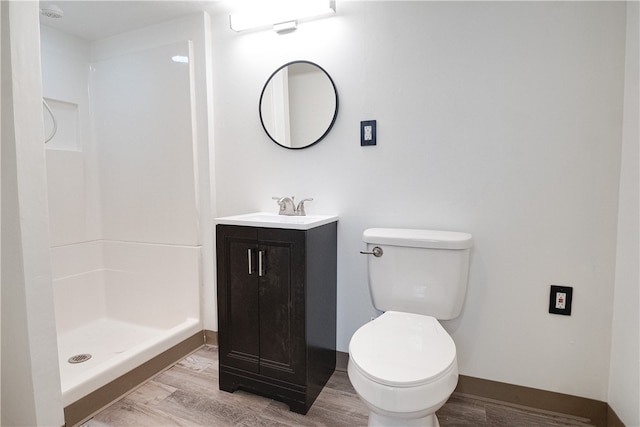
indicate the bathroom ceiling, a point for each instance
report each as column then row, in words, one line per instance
column 96, row 19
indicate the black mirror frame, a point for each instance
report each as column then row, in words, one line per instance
column 335, row 113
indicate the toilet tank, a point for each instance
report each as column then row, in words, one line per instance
column 420, row 271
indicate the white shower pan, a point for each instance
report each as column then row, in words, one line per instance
column 103, row 304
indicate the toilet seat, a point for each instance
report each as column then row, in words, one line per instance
column 402, row 350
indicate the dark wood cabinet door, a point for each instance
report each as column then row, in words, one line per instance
column 282, row 303
column 261, row 301
column 238, row 298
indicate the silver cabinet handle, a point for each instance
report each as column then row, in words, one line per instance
column 250, row 263
column 376, row 252
column 260, row 264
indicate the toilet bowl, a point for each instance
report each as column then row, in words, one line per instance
column 404, row 368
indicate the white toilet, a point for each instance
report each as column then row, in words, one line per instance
column 403, row 364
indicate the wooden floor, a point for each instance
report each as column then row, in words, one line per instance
column 187, row 395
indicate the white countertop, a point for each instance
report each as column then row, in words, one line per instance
column 272, row 220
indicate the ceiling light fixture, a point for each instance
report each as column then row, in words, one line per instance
column 285, row 27
column 281, row 14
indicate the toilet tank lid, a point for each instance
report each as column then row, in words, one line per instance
column 415, row 238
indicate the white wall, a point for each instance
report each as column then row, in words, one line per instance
column 624, row 382
column 502, row 119
column 3, row 36
column 309, row 118
column 30, row 379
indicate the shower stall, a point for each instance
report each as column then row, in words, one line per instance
column 128, row 196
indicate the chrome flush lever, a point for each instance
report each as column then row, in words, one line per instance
column 376, row 252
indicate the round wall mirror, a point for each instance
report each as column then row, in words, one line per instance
column 298, row 105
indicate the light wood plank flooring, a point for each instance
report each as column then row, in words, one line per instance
column 187, row 395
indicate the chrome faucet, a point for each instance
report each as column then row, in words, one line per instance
column 288, row 206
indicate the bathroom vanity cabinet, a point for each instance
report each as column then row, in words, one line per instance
column 277, row 311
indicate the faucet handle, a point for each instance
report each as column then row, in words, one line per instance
column 280, row 201
column 287, row 206
column 300, row 208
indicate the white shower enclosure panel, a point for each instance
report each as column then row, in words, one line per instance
column 145, row 137
column 125, row 250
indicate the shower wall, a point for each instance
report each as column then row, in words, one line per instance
column 121, row 167
column 72, row 173
column 128, row 183
column 181, row 133
column 145, row 145
column 130, row 161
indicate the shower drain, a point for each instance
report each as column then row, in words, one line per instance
column 79, row 358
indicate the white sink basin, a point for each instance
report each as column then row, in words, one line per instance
column 272, row 220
